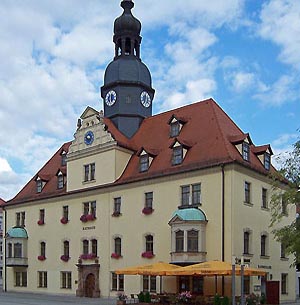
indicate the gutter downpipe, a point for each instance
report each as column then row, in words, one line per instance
column 223, row 223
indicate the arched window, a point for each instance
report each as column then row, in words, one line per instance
column 94, row 247
column 246, row 242
column 66, row 248
column 179, row 236
column 85, row 246
column 263, row 244
column 118, row 246
column 192, row 241
column 149, row 243
column 43, row 249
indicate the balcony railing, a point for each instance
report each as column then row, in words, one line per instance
column 17, row 262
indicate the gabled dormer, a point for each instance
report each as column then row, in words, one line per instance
column 179, row 151
column 61, row 179
column 63, row 156
column 242, row 143
column 176, row 125
column 40, row 181
column 146, row 158
column 264, row 154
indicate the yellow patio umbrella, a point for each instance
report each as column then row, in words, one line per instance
column 159, row 268
column 205, row 268
column 249, row 271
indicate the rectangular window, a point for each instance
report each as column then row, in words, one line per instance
column 282, row 250
column 20, row 219
column 145, row 283
column 89, row 172
column 144, row 163
column 85, row 246
column 86, row 208
column 177, row 156
column 198, row 282
column 117, row 206
column 60, row 181
column 39, row 186
column 192, row 241
column 114, row 281
column 42, row 216
column 196, row 194
column 149, row 200
column 174, row 129
column 263, row 241
column 185, row 195
column 93, row 208
column 43, row 248
column 95, row 247
column 42, row 279
column 121, row 282
column 149, row 283
column 149, row 243
column 264, row 202
column 284, row 206
column 63, row 159
column 66, row 280
column 66, row 212
column 246, row 285
column 246, row 151
column 267, row 161
column 247, row 192
column 18, row 250
column 20, row 279
column 179, row 236
column 284, row 283
column 246, row 242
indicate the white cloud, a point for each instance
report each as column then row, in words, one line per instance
column 4, row 166
column 280, row 23
column 242, row 81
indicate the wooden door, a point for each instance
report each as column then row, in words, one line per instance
column 90, row 285
column 272, row 291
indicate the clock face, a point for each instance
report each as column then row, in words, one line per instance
column 110, row 98
column 89, row 138
column 145, row 99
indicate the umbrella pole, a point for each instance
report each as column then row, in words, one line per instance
column 160, row 283
column 216, row 284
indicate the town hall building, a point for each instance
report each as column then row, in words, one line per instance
column 183, row 186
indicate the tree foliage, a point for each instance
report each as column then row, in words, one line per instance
column 289, row 177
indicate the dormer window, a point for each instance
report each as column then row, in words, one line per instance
column 63, row 158
column 144, row 163
column 267, row 161
column 174, row 129
column 39, row 185
column 177, row 156
column 246, row 151
column 60, row 181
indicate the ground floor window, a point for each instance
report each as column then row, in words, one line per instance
column 42, row 279
column 194, row 284
column 284, row 283
column 21, row 279
column 197, row 285
column 149, row 283
column 246, row 284
column 117, row 282
column 66, row 280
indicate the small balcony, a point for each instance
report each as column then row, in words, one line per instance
column 188, row 257
column 17, row 262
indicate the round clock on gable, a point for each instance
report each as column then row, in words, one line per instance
column 89, row 138
column 145, row 99
column 110, row 98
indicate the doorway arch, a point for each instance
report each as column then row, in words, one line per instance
column 89, row 285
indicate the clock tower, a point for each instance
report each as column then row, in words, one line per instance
column 127, row 91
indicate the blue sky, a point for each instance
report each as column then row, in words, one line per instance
column 243, row 53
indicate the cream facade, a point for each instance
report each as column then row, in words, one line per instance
column 132, row 226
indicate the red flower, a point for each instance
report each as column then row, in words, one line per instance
column 65, row 258
column 116, row 214
column 90, row 217
column 88, row 256
column 148, row 254
column 41, row 257
column 83, row 218
column 41, row 222
column 64, row 220
column 115, row 255
column 147, row 210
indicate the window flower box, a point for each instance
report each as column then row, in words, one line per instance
column 116, row 255
column 41, row 222
column 147, row 210
column 147, row 254
column 41, row 257
column 88, row 256
column 65, row 258
column 64, row 220
column 88, row 217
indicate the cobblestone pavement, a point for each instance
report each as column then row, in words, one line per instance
column 11, row 298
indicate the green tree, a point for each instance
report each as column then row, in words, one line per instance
column 287, row 177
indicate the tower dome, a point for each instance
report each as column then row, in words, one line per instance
column 127, row 23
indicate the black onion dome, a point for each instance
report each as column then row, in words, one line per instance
column 127, row 70
column 127, row 22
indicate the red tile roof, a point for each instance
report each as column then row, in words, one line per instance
column 208, row 134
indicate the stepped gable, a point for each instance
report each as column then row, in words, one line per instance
column 47, row 173
column 207, row 132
